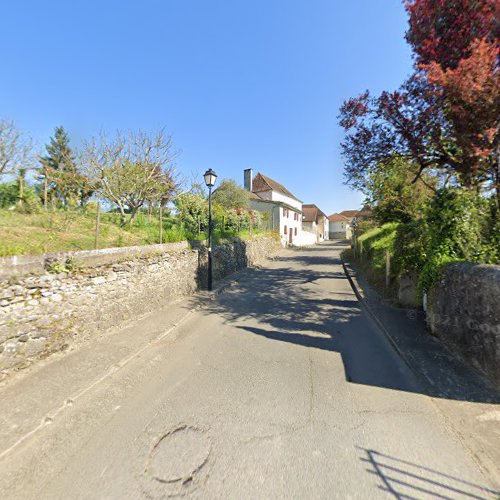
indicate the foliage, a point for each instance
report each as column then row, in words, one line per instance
column 192, row 211
column 230, row 195
column 408, row 123
column 457, row 231
column 9, row 194
column 456, row 226
column 439, row 128
column 62, row 182
column 131, row 170
column 471, row 92
column 411, row 247
column 444, row 118
column 10, row 197
column 443, row 30
column 375, row 242
column 393, row 194
column 63, row 266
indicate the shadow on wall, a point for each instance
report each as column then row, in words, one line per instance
column 287, row 304
column 226, row 259
column 403, row 479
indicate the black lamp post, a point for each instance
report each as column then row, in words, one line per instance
column 210, row 178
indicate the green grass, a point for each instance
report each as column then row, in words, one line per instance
column 32, row 234
column 47, row 232
column 375, row 244
column 371, row 260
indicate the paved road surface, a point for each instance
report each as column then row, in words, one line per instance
column 280, row 387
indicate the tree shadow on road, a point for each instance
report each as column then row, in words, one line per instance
column 306, row 300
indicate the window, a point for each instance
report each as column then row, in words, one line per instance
column 295, row 231
column 285, row 231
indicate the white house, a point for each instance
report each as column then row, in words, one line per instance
column 340, row 227
column 285, row 210
column 341, row 224
column 315, row 222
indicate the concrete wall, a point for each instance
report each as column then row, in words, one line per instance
column 42, row 312
column 307, row 238
column 464, row 311
column 338, row 236
column 338, row 229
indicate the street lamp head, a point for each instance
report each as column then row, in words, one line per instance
column 210, row 178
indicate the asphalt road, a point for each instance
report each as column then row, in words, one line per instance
column 279, row 387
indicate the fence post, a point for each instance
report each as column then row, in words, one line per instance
column 361, row 251
column 161, row 223
column 387, row 267
column 97, row 222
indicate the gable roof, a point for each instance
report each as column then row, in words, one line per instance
column 338, row 218
column 263, row 183
column 311, row 213
column 350, row 214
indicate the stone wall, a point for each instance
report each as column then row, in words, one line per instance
column 235, row 255
column 43, row 309
column 464, row 311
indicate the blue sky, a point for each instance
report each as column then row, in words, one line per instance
column 237, row 83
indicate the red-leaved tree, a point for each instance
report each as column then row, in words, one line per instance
column 445, row 117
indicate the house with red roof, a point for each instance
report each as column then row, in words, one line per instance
column 339, row 226
column 315, row 222
column 284, row 208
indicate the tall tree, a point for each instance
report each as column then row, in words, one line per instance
column 443, row 30
column 58, row 172
column 409, row 123
column 444, row 117
column 230, row 195
column 392, row 195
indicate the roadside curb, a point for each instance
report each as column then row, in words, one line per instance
column 355, row 286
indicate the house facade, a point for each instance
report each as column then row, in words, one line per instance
column 315, row 222
column 283, row 208
column 340, row 227
column 342, row 224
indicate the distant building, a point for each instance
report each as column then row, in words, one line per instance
column 342, row 224
column 285, row 209
column 340, row 227
column 315, row 222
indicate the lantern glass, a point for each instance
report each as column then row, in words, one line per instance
column 210, row 178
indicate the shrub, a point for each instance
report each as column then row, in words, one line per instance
column 459, row 228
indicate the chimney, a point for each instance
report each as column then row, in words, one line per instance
column 248, row 179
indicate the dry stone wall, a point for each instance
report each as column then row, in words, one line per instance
column 42, row 312
column 464, row 311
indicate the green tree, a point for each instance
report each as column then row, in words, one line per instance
column 395, row 198
column 230, row 195
column 62, row 182
column 131, row 170
column 192, row 211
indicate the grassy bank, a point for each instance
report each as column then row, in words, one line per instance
column 370, row 256
column 47, row 232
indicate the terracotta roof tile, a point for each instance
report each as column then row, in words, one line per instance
column 311, row 212
column 263, row 183
column 338, row 218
